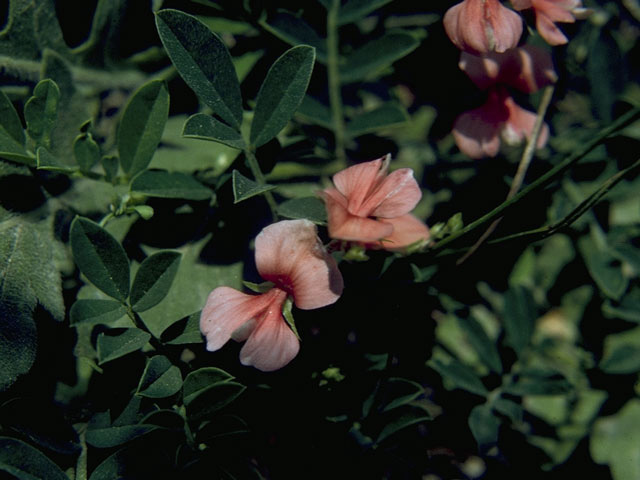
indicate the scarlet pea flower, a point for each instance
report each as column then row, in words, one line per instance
column 527, row 68
column 290, row 255
column 548, row 12
column 482, row 26
column 477, row 132
column 368, row 205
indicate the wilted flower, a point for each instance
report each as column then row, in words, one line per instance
column 369, row 206
column 527, row 68
column 482, row 26
column 477, row 132
column 548, row 12
column 290, row 255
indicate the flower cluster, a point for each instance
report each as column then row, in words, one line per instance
column 367, row 206
column 488, row 33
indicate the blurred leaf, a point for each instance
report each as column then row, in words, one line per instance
column 160, row 378
column 206, row 127
column 199, row 380
column 311, row 208
column 244, row 188
column 615, row 441
column 204, row 63
column 313, row 110
column 534, row 385
column 509, row 408
column 141, row 126
column 600, row 263
column 47, row 161
column 110, row 165
column 126, row 464
column 627, row 309
column 11, row 133
column 519, row 317
column 86, row 151
column 115, row 346
column 24, row 462
column 606, row 71
column 482, row 344
column 47, row 28
column 295, row 31
column 153, row 279
column 41, row 111
column 281, row 93
column 621, row 352
column 403, row 391
column 459, row 375
column 629, row 254
column 189, row 332
column 157, row 183
column 100, row 257
column 354, row 10
column 376, row 55
column 94, row 311
column 484, row 426
column 401, row 419
column 386, row 115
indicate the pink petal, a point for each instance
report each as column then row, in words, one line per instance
column 272, row 344
column 520, row 124
column 556, row 10
column 396, row 195
column 344, row 226
column 407, row 229
column 521, row 4
column 549, row 31
column 483, row 70
column 356, row 182
column 290, row 254
column 226, row 311
column 529, row 69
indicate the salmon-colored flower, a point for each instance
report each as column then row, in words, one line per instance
column 548, row 12
column 477, row 132
column 290, row 255
column 407, row 230
column 482, row 26
column 366, row 202
column 527, row 68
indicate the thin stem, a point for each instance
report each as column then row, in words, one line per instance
column 525, row 161
column 259, row 176
column 622, row 121
column 335, row 91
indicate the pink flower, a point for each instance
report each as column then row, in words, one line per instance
column 482, row 26
column 407, row 230
column 366, row 203
column 548, row 12
column 526, row 68
column 290, row 255
column 477, row 132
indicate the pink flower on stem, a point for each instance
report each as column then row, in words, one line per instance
column 290, row 255
column 372, row 207
column 477, row 132
column 482, row 26
column 548, row 12
column 527, row 68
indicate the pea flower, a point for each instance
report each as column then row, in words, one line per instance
column 481, row 26
column 548, row 12
column 372, row 207
column 477, row 132
column 290, row 255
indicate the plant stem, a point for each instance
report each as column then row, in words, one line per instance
column 259, row 176
column 335, row 90
column 621, row 122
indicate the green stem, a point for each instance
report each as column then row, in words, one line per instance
column 335, row 90
column 623, row 121
column 259, row 176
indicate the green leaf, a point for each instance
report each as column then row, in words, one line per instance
column 295, row 31
column 24, row 462
column 112, row 436
column 484, row 426
column 41, row 111
column 403, row 392
column 142, row 125
column 459, row 375
column 17, row 339
column 244, row 188
column 94, row 311
column 112, row 346
column 157, row 183
column 11, row 133
column 519, row 317
column 627, row 309
column 47, row 161
column 199, row 380
column 602, row 267
column 316, row 112
column 621, row 352
column 384, row 116
column 183, row 332
column 615, row 441
column 211, row 399
column 153, row 279
column 535, row 385
column 354, row 10
column 376, row 55
column 400, row 420
column 204, row 63
column 482, row 344
column 281, row 93
column 110, row 166
column 207, row 127
column 311, row 208
column 509, row 408
column 288, row 316
column 100, row 257
column 86, row 151
column 160, row 378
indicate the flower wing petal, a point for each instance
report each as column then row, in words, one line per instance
column 356, row 182
column 407, row 229
column 344, row 226
column 396, row 195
